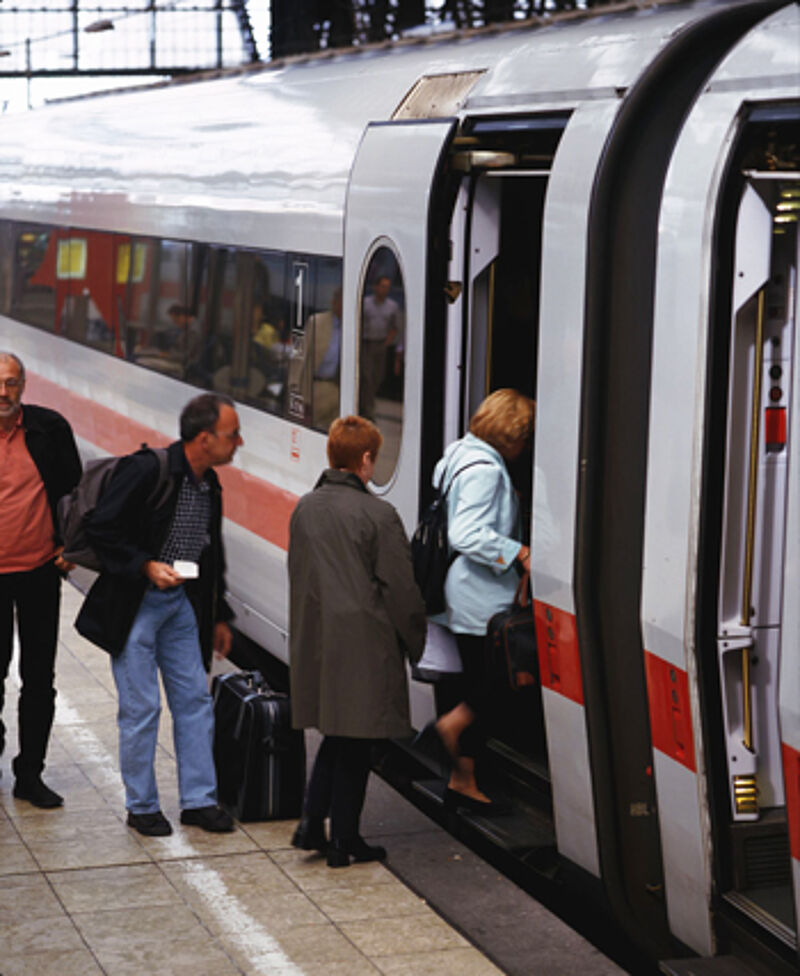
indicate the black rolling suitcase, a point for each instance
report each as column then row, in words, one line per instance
column 260, row 759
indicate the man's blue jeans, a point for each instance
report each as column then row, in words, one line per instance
column 164, row 636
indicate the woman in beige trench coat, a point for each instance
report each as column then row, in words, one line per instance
column 355, row 616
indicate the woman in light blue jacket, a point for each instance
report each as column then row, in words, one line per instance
column 484, row 531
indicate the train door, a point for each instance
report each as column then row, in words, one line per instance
column 719, row 596
column 755, row 649
column 387, row 242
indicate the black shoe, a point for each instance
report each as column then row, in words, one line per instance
column 340, row 852
column 213, row 819
column 150, row 824
column 453, row 800
column 35, row 792
column 310, row 835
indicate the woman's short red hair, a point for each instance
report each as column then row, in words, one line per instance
column 349, row 438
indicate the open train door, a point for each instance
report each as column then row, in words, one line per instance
column 789, row 695
column 386, row 258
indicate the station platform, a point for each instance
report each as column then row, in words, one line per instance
column 82, row 894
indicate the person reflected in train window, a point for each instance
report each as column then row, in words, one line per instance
column 268, row 355
column 97, row 330
column 183, row 337
column 380, row 330
column 159, row 606
column 355, row 615
column 314, row 367
column 484, row 534
column 39, row 463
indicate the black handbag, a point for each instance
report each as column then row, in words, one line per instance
column 511, row 640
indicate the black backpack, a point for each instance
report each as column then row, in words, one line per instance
column 74, row 508
column 430, row 552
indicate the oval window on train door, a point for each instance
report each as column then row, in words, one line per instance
column 382, row 355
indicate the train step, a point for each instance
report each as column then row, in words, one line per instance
column 704, row 966
column 523, row 832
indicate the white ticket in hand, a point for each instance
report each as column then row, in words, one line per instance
column 186, row 568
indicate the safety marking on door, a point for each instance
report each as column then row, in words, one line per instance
column 670, row 715
column 559, row 657
column 791, row 779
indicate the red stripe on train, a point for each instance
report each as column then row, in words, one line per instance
column 791, row 780
column 251, row 502
column 559, row 659
column 670, row 715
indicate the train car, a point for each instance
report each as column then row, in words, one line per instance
column 599, row 209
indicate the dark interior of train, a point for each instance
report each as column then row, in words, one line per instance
column 518, row 728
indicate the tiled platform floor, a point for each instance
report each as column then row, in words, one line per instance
column 82, row 894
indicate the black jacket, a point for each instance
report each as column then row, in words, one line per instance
column 126, row 533
column 50, row 443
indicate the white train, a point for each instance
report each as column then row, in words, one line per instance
column 598, row 209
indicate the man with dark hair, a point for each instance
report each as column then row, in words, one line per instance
column 38, row 464
column 159, row 605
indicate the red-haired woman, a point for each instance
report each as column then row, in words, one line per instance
column 355, row 616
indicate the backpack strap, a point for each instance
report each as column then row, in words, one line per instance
column 471, row 464
column 162, row 489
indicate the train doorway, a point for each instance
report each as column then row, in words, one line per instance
column 750, row 665
column 503, row 332
column 492, row 342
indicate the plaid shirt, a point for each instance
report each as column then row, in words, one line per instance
column 188, row 533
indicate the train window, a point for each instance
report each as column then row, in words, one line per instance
column 136, row 303
column 381, row 360
column 316, row 347
column 6, row 266
column 160, row 319
column 212, row 287
column 261, row 326
column 33, row 293
column 87, row 295
column 325, row 343
column 256, row 373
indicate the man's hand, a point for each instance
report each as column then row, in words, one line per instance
column 161, row 575
column 223, row 639
column 61, row 564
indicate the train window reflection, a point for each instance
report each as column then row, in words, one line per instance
column 256, row 371
column 7, row 236
column 33, row 290
column 313, row 378
column 124, row 270
column 261, row 326
column 160, row 315
column 212, row 286
column 86, row 291
column 382, row 352
column 71, row 258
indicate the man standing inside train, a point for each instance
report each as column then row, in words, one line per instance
column 159, row 605
column 38, row 464
column 381, row 328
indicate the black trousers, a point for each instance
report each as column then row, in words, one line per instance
column 36, row 595
column 474, row 688
column 338, row 784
